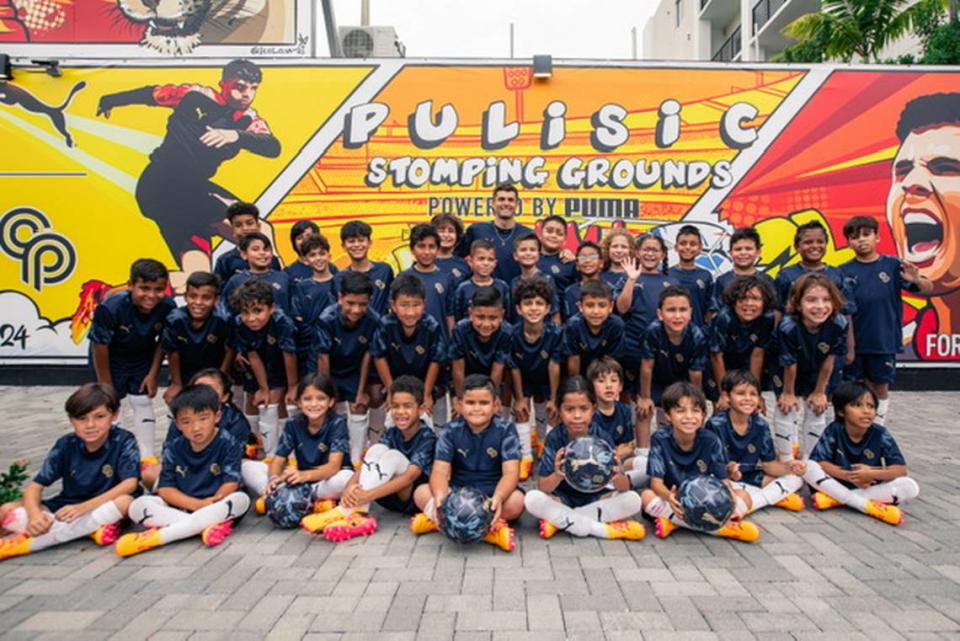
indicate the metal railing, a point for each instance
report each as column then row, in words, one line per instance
column 730, row 49
column 763, row 11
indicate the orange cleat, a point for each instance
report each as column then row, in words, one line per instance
column 740, row 530
column 823, row 501
column 106, row 534
column 791, row 502
column 502, row 536
column 629, row 530
column 318, row 521
column 663, row 527
column 137, row 542
column 526, row 468
column 16, row 545
column 887, row 513
column 420, row 523
column 547, row 529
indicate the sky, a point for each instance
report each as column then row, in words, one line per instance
column 597, row 29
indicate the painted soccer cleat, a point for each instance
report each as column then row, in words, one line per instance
column 740, row 530
column 629, row 530
column 216, row 534
column 147, row 461
column 106, row 534
column 137, row 542
column 791, row 502
column 502, row 536
column 420, row 523
column 319, row 521
column 887, row 513
column 547, row 529
column 663, row 527
column 16, row 545
column 323, row 505
column 526, row 468
column 357, row 524
column 823, row 501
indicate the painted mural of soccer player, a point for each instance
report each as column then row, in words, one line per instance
column 923, row 209
column 207, row 127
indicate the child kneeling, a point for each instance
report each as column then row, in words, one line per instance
column 100, row 467
column 198, row 491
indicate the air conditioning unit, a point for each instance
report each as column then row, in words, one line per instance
column 371, row 42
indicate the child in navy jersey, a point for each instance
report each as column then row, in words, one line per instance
column 125, row 350
column 857, row 462
column 199, row 487
column 503, row 231
column 255, row 248
column 265, row 337
column 589, row 264
column 604, row 514
column 810, row 338
column 526, row 253
column 875, row 281
column 752, row 463
column 450, row 229
column 483, row 262
column 683, row 451
column 391, row 470
column 439, row 285
column 617, row 418
column 197, row 335
column 687, row 274
column 556, row 261
column 312, row 295
column 244, row 218
column 344, row 335
column 594, row 331
column 99, row 465
column 356, row 237
column 617, row 250
column 810, row 241
column 745, row 249
column 481, row 342
column 536, row 352
column 479, row 450
column 300, row 268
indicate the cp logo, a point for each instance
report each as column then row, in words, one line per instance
column 46, row 257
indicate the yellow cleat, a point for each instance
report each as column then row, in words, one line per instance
column 323, row 505
column 740, row 530
column 16, row 545
column 146, row 462
column 547, row 529
column 106, row 534
column 526, row 468
column 663, row 527
column 823, row 501
column 502, row 536
column 318, row 521
column 629, row 530
column 137, row 542
column 887, row 513
column 420, row 523
column 260, row 505
column 791, row 502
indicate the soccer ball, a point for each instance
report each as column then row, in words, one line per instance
column 588, row 464
column 707, row 503
column 465, row 515
column 287, row 504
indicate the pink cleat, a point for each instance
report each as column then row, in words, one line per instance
column 216, row 534
column 357, row 524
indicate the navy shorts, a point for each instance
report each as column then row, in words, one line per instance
column 128, row 383
column 876, row 368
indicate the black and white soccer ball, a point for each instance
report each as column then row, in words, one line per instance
column 706, row 501
column 588, row 463
column 465, row 515
column 287, row 504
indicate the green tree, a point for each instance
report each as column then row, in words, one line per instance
column 942, row 47
column 847, row 29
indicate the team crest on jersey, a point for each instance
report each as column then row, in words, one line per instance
column 439, row 288
column 884, row 277
column 752, row 448
column 754, row 338
column 619, row 430
column 271, row 340
column 679, row 358
column 212, row 338
column 276, row 286
column 215, row 469
column 379, row 283
column 544, row 355
column 702, row 466
column 777, row 381
column 362, row 340
column 456, row 272
column 868, row 453
column 107, row 470
column 323, row 447
column 158, row 326
column 419, row 349
column 555, row 269
column 823, row 347
column 492, row 452
column 701, row 284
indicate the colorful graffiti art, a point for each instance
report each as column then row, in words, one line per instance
column 394, row 143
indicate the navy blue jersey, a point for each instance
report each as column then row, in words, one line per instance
column 736, row 340
column 532, row 360
column 197, row 348
column 409, row 354
column 788, row 275
column 298, row 271
column 381, row 275
column 464, row 292
column 479, row 356
column 563, row 274
column 570, row 299
column 616, row 280
column 456, row 266
column 131, row 336
column 313, row 449
column 270, row 343
column 672, row 363
column 724, row 279
column 700, row 283
column 503, row 240
column 476, row 459
column 618, row 425
column 877, row 448
column 554, row 295
column 232, row 421
column 750, row 450
column 557, row 439
column 346, row 347
column 878, row 320
column 419, row 448
column 310, row 298
column 88, row 474
column 806, row 350
column 440, row 287
column 232, row 263
column 578, row 340
column 643, row 309
column 673, row 465
column 200, row 474
column 277, row 280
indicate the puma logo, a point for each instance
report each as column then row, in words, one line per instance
column 14, row 96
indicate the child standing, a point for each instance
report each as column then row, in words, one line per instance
column 300, row 268
column 480, row 342
column 256, row 250
column 745, row 249
column 809, row 339
column 810, row 241
column 311, row 296
column 450, row 229
column 424, row 244
column 356, row 237
column 594, row 331
column 857, row 462
column 556, row 261
column 526, row 253
column 617, row 250
column 100, row 468
column 560, row 507
column 876, row 282
column 199, row 487
column 125, row 350
column 697, row 280
column 483, row 262
column 244, row 218
column 589, row 263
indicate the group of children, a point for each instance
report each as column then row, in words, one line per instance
column 496, row 345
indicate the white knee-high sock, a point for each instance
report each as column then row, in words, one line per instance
column 539, row 416
column 332, row 487
column 562, row 517
column 61, row 532
column 357, row 426
column 660, row 508
column 896, row 491
column 430, row 509
column 270, row 427
column 638, row 473
column 786, row 428
column 773, row 492
column 618, row 507
column 255, row 475
column 230, row 507
column 523, row 433
column 144, row 423
column 254, row 420
column 813, row 426
column 825, row 483
column 882, row 406
column 380, row 465
column 153, row 511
